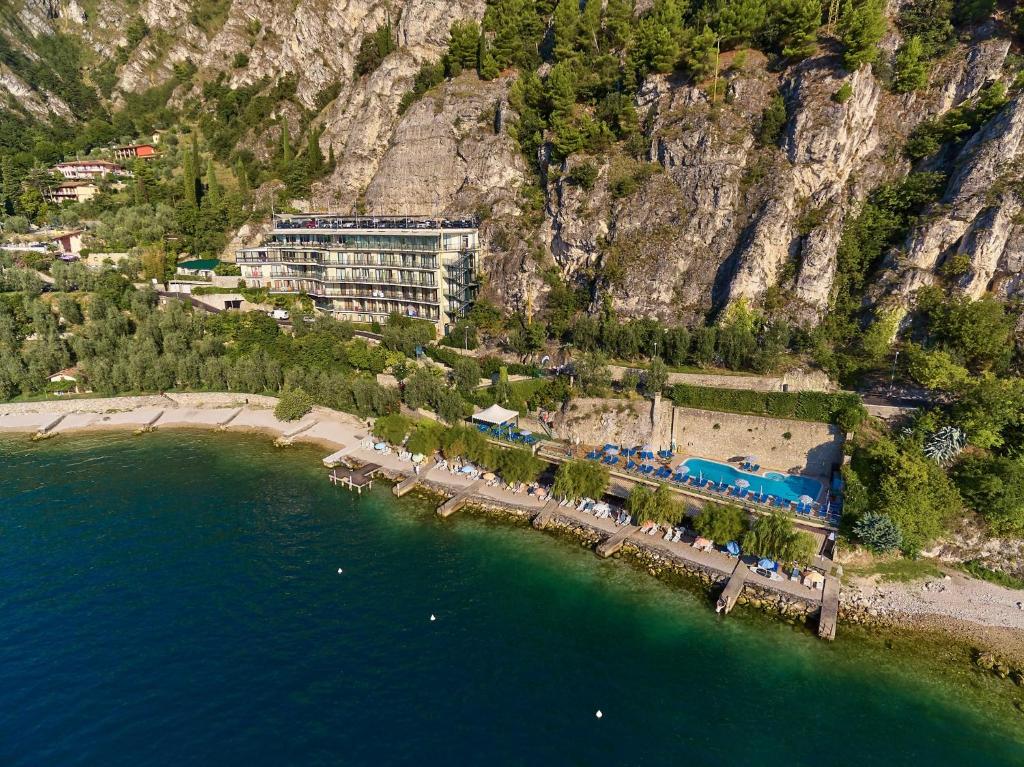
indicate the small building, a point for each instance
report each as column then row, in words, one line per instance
column 88, row 170
column 200, row 267
column 135, row 152
column 70, row 243
column 65, row 381
column 71, row 191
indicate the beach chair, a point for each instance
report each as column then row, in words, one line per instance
column 613, row 460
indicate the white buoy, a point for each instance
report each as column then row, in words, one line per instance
column 599, row 714
column 432, row 617
column 339, row 571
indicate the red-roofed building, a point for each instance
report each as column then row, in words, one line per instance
column 135, row 152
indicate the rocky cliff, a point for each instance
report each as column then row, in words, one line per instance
column 711, row 215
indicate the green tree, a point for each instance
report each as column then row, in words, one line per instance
column 618, row 24
column 861, row 27
column 739, row 21
column 930, row 21
column 565, row 25
column 721, row 522
column 242, row 177
column 994, row 487
column 292, row 405
column 592, row 373
column 776, row 537
column 393, row 428
column 466, row 374
column 463, row 47
column 580, row 479
column 286, row 147
column 655, row 376
column 517, row 465
column 793, row 27
column 911, row 69
column 213, row 195
column 878, row 532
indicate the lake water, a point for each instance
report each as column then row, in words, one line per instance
column 174, row 598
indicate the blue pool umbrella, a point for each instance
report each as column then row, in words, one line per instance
column 733, row 548
column 767, row 564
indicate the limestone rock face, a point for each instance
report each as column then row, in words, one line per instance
column 445, row 156
column 977, row 216
column 698, row 215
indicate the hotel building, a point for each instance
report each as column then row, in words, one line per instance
column 363, row 268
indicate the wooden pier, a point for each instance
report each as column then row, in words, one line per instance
column 355, row 479
column 829, row 609
column 455, row 503
column 733, row 588
column 612, row 544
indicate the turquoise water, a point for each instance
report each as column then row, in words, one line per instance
column 787, row 486
column 174, row 598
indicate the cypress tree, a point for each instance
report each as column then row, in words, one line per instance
column 188, row 181
column 243, row 182
column 196, row 159
column 314, row 157
column 286, row 147
column 212, row 185
column 911, row 69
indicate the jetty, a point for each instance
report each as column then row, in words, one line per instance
column 355, row 479
column 733, row 588
column 456, row 502
column 614, row 542
column 412, row 481
column 829, row 609
column 545, row 515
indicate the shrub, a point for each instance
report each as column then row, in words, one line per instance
column 843, row 408
column 878, row 532
column 773, row 122
column 844, row 93
column 293, row 404
column 583, row 175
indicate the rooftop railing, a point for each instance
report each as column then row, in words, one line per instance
column 328, row 221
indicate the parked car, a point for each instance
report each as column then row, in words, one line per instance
column 278, row 314
column 769, row 574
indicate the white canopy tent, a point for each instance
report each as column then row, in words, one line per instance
column 496, row 415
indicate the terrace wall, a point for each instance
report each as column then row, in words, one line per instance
column 811, row 448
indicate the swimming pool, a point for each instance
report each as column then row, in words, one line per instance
column 787, row 486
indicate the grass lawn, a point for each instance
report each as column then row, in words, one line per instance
column 898, row 570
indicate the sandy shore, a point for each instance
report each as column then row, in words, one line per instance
column 965, row 607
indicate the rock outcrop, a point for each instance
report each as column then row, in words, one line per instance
column 705, row 216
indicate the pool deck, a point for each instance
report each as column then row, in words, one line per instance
column 622, row 481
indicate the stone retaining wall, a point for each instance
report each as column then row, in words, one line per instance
column 787, row 445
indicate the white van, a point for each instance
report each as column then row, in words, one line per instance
column 278, row 314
